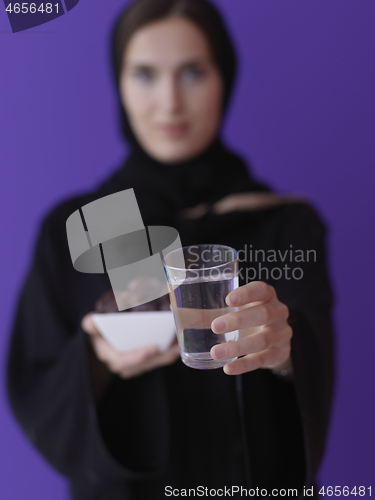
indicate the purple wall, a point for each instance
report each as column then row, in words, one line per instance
column 304, row 113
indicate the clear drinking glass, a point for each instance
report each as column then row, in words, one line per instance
column 199, row 278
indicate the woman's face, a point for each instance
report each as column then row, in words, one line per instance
column 171, row 89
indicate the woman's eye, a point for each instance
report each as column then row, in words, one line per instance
column 144, row 74
column 192, row 74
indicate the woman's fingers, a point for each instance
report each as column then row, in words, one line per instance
column 257, row 342
column 88, row 325
column 130, row 363
column 253, row 293
column 270, row 358
column 104, row 351
column 264, row 313
column 191, row 318
column 135, row 358
column 165, row 357
column 150, row 362
column 256, row 291
column 265, row 335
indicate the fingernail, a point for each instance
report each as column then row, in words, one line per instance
column 220, row 352
column 220, row 325
column 234, row 299
column 229, row 369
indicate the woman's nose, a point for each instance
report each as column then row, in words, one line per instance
column 170, row 96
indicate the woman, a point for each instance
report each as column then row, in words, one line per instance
column 141, row 424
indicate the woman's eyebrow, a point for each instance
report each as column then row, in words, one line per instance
column 138, row 64
column 148, row 65
column 193, row 62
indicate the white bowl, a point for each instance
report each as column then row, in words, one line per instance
column 128, row 331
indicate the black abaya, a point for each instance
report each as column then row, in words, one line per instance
column 175, row 425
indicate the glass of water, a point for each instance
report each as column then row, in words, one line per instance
column 199, row 278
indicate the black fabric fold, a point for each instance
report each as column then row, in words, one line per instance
column 162, row 190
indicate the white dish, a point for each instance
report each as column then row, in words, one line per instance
column 128, row 331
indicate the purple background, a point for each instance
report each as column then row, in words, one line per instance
column 303, row 112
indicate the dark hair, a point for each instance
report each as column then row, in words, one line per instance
column 200, row 12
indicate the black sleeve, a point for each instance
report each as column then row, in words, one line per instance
column 309, row 298
column 49, row 385
column 287, row 420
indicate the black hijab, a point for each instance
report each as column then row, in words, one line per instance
column 164, row 190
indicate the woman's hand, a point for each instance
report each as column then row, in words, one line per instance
column 131, row 363
column 264, row 332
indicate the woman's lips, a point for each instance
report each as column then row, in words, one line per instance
column 173, row 130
